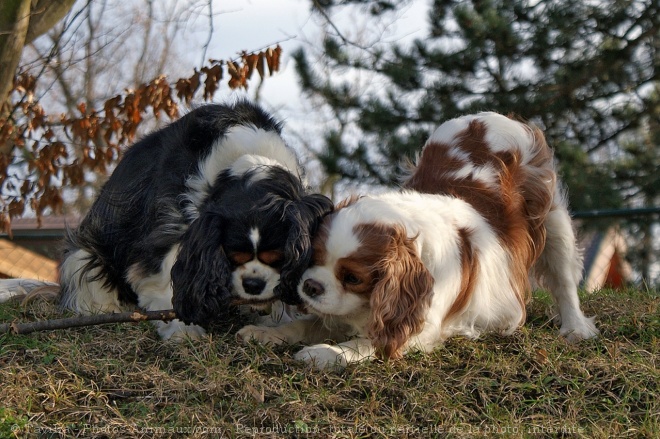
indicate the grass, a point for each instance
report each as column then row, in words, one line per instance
column 122, row 381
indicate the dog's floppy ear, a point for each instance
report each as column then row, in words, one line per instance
column 201, row 275
column 401, row 297
column 304, row 217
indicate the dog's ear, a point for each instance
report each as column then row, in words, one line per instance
column 304, row 217
column 401, row 297
column 201, row 275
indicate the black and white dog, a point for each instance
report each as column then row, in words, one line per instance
column 207, row 211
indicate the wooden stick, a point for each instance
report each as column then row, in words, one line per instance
column 76, row 322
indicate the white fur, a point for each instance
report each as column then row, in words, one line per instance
column 256, row 163
column 91, row 297
column 559, row 269
column 332, row 303
column 243, row 148
column 254, row 238
column 335, row 357
column 435, row 222
column 155, row 293
column 502, row 133
column 254, row 268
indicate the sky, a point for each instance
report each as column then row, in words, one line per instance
column 255, row 24
column 252, row 25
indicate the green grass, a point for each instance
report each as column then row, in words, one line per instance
column 122, row 381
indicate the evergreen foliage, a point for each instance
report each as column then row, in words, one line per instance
column 586, row 72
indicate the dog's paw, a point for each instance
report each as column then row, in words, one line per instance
column 323, row 357
column 581, row 330
column 178, row 331
column 261, row 334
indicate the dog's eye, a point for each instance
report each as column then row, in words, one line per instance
column 240, row 258
column 351, row 279
column 273, row 258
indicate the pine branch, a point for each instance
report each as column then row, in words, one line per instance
column 76, row 322
column 341, row 36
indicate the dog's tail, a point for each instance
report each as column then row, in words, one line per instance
column 28, row 289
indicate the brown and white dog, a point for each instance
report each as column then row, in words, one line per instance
column 480, row 215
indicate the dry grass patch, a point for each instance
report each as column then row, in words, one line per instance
column 120, row 380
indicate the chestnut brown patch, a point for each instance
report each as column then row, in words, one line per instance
column 240, row 258
column 355, row 275
column 320, row 238
column 515, row 206
column 395, row 280
column 272, row 258
column 469, row 273
column 319, row 251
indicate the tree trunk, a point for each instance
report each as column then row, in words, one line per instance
column 20, row 24
column 45, row 15
column 14, row 24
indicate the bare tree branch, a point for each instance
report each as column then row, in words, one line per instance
column 77, row 322
column 210, row 35
column 339, row 33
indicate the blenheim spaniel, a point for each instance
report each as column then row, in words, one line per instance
column 481, row 213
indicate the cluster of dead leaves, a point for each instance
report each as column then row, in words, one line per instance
column 55, row 151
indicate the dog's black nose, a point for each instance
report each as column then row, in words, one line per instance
column 313, row 288
column 253, row 285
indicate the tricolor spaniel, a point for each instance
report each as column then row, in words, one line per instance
column 451, row 254
column 209, row 210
